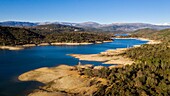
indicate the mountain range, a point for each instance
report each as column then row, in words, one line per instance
column 91, row 26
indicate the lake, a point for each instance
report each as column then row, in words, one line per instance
column 14, row 63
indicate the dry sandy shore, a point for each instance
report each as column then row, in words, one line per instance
column 11, row 47
column 17, row 47
column 112, row 56
column 144, row 39
column 20, row 47
column 63, row 80
column 84, row 43
column 66, row 80
column 108, row 57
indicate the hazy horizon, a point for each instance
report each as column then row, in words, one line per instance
column 82, row 22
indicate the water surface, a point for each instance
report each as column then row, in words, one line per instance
column 14, row 63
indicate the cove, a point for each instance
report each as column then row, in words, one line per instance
column 14, row 63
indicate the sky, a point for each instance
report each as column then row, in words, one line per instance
column 101, row 11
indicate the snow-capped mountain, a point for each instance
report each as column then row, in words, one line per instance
column 92, row 25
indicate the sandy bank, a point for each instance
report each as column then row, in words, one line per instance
column 17, row 47
column 20, row 47
column 108, row 57
column 64, row 80
column 108, row 41
column 99, row 42
column 43, row 44
column 112, row 56
column 29, row 45
column 144, row 39
column 84, row 43
column 11, row 47
column 149, row 41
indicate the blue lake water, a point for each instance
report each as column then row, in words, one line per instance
column 14, row 63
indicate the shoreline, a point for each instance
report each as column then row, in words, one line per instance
column 11, row 47
column 112, row 56
column 21, row 47
column 63, row 79
column 143, row 39
column 57, row 77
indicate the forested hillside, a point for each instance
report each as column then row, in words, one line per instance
column 77, row 37
column 17, row 36
column 162, row 35
column 20, row 36
column 149, row 76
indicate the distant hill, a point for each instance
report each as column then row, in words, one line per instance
column 162, row 35
column 131, row 27
column 91, row 26
column 48, row 34
column 88, row 25
column 115, row 27
column 13, row 36
column 55, row 28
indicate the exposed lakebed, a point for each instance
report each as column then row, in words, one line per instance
column 14, row 63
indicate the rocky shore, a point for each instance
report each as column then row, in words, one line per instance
column 63, row 80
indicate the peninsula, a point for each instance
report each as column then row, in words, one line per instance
column 139, row 75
